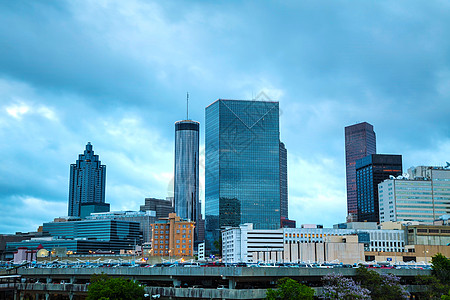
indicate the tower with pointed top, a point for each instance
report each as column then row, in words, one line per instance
column 87, row 185
column 242, row 165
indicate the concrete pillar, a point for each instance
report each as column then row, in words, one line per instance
column 48, row 280
column 231, row 283
column 47, row 296
column 70, row 296
column 73, row 280
column 36, row 297
column 176, row 283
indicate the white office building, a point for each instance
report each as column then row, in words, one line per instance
column 423, row 197
column 239, row 244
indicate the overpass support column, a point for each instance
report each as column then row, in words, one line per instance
column 231, row 283
column 176, row 283
column 47, row 296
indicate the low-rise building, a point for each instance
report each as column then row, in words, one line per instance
column 239, row 244
column 83, row 237
column 173, row 237
column 144, row 218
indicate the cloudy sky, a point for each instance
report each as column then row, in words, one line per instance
column 116, row 73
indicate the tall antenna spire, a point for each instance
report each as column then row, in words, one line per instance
column 187, row 105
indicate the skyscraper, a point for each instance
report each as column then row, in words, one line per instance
column 360, row 141
column 370, row 171
column 186, row 182
column 242, row 167
column 283, row 181
column 87, row 185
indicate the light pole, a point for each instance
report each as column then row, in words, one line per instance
column 425, row 252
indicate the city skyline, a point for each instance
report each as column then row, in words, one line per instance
column 116, row 74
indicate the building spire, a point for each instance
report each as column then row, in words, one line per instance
column 187, row 105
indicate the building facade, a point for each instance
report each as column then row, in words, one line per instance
column 145, row 219
column 83, row 236
column 360, row 141
column 241, row 244
column 87, row 185
column 423, row 197
column 370, row 171
column 283, row 183
column 161, row 207
column 173, row 237
column 186, row 179
column 242, row 168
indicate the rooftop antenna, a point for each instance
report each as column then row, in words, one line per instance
column 187, row 105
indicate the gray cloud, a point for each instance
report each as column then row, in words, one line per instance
column 116, row 73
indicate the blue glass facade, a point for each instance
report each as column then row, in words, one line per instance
column 370, row 171
column 283, row 182
column 87, row 182
column 242, row 165
column 82, row 236
column 186, row 182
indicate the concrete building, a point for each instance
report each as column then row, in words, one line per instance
column 87, row 185
column 423, row 197
column 370, row 171
column 239, row 243
column 293, row 244
column 428, row 235
column 360, row 141
column 24, row 255
column 173, row 237
column 346, row 249
column 144, row 218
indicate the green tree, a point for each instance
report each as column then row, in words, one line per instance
column 383, row 287
column 438, row 284
column 446, row 297
column 441, row 268
column 434, row 288
column 289, row 289
column 103, row 287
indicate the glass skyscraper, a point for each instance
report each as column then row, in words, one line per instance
column 283, row 181
column 87, row 185
column 370, row 171
column 186, row 182
column 242, row 167
column 360, row 141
